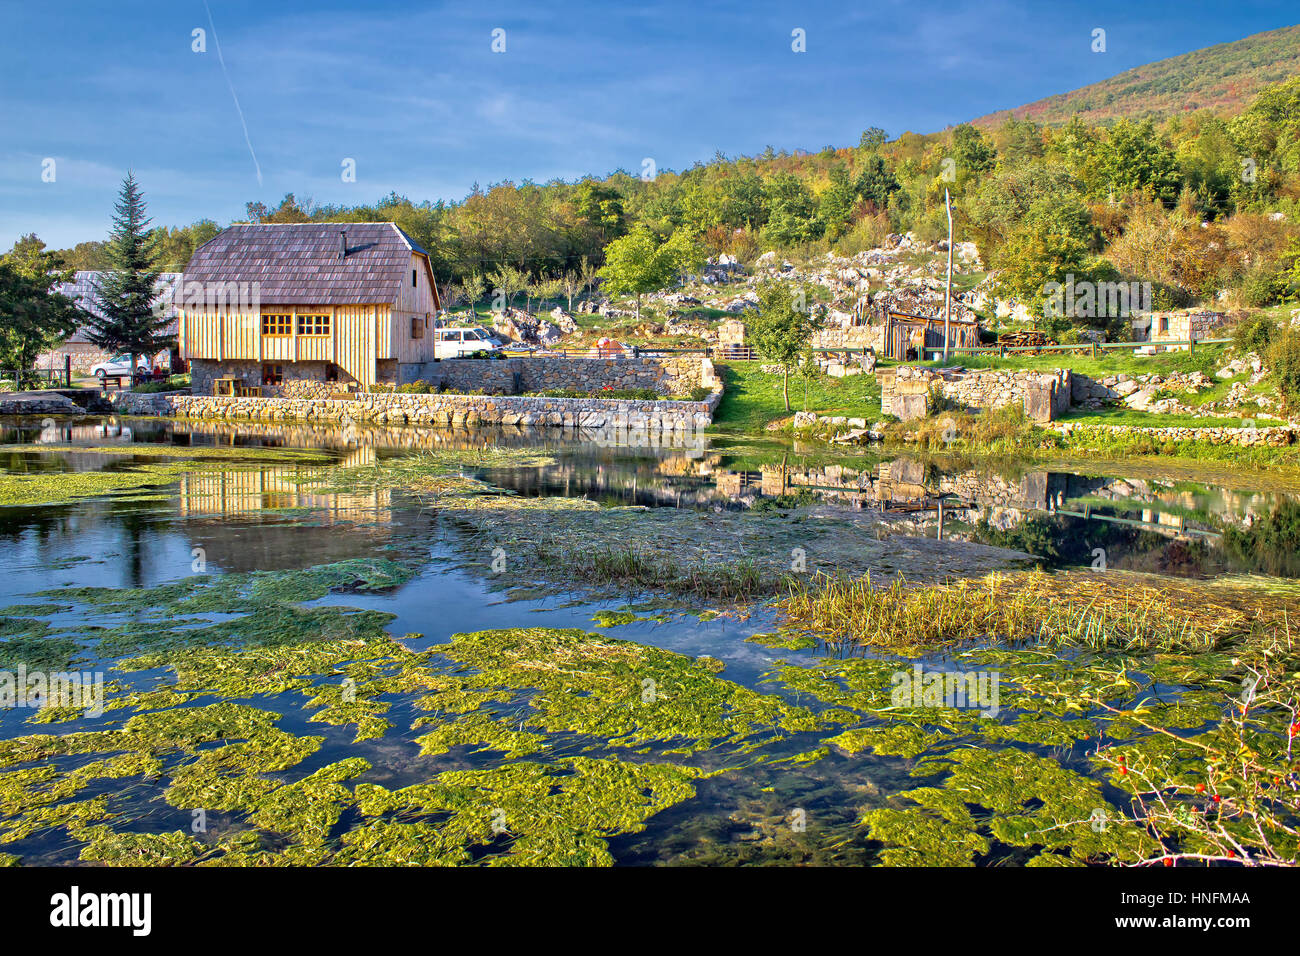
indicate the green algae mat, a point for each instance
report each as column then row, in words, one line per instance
column 246, row 723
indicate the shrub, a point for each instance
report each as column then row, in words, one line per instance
column 1255, row 334
column 938, row 403
column 170, row 384
column 418, row 387
column 1263, row 287
column 1284, row 361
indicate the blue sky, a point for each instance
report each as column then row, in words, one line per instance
column 414, row 94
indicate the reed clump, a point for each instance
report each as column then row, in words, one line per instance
column 1109, row 611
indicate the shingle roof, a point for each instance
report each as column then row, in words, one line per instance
column 82, row 289
column 299, row 264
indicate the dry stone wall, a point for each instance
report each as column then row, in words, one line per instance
column 435, row 409
column 905, row 390
column 1274, row 436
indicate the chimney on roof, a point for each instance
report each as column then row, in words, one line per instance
column 343, row 244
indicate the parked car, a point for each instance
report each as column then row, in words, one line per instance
column 119, row 365
column 453, row 343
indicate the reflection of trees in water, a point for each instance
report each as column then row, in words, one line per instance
column 1271, row 545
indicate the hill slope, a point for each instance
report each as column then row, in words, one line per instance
column 1222, row 78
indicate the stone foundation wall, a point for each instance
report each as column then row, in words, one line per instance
column 905, row 390
column 301, row 379
column 438, row 410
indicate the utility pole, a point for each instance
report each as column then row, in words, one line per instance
column 947, row 295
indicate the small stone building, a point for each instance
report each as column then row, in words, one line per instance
column 905, row 390
column 1182, row 326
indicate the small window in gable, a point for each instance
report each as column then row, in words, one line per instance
column 413, row 282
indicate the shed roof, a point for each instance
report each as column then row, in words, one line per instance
column 299, row 263
column 82, row 290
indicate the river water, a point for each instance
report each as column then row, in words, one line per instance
column 771, row 805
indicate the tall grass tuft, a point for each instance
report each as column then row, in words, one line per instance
column 1097, row 612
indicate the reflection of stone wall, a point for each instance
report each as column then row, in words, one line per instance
column 904, row 390
column 404, row 409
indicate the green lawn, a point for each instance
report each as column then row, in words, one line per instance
column 753, row 398
column 1206, row 358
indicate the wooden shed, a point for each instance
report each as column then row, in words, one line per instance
column 306, row 309
column 907, row 335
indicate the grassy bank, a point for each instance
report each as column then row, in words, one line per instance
column 752, row 400
column 1205, row 358
column 1129, row 416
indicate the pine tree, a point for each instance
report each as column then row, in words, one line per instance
column 127, row 320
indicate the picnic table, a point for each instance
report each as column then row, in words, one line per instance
column 235, row 388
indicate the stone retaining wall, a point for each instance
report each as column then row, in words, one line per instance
column 667, row 375
column 444, row 409
column 905, row 390
column 1275, row 436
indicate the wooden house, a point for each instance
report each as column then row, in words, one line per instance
column 306, row 309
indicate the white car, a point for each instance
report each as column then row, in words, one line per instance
column 453, row 343
column 119, row 365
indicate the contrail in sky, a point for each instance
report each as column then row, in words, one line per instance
column 226, row 74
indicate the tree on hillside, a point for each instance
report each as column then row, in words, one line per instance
column 1269, row 130
column 971, row 151
column 127, row 320
column 33, row 317
column 875, row 183
column 636, row 264
column 600, row 208
column 289, row 210
column 872, row 139
column 175, row 246
column 1134, row 160
column 781, row 328
column 792, row 211
column 84, row 257
column 835, row 204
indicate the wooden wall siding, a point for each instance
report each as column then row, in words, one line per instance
column 360, row 335
column 421, row 298
column 409, row 348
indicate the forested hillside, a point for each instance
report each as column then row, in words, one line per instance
column 1199, row 205
column 1224, row 79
